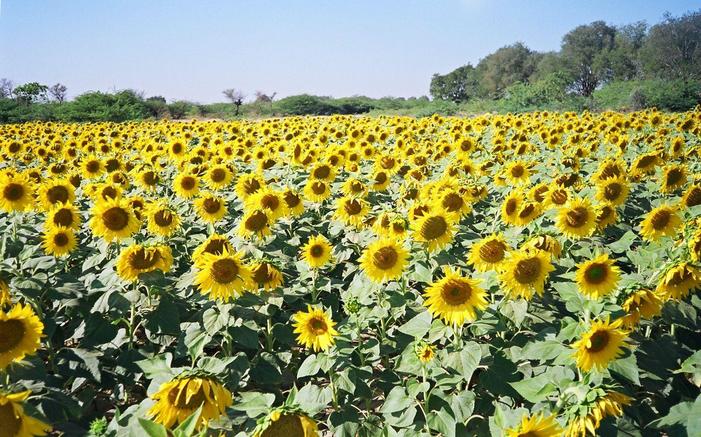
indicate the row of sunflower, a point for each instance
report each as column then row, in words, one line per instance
column 530, row 274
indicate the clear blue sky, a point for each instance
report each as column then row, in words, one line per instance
column 193, row 49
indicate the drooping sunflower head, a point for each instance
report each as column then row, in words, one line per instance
column 537, row 425
column 137, row 259
column 598, row 277
column 223, row 277
column 354, row 187
column 317, row 251
column 488, row 253
column 525, row 272
column 113, row 219
column 21, row 334
column 585, row 419
column 384, row 260
column 15, row 421
column 148, row 179
column 577, row 219
column 453, row 201
column 286, row 422
column 660, row 222
column 314, row 329
column 692, row 197
column 606, row 215
column 176, row 400
column 678, row 281
column 640, row 304
column 455, row 298
column 215, row 244
column 266, row 275
column 546, row 243
column 255, row 223
column 601, row 344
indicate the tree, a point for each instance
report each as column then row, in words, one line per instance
column 460, row 85
column 6, row 87
column 673, row 48
column 624, row 59
column 506, row 66
column 235, row 97
column 32, row 92
column 586, row 52
column 261, row 97
column 58, row 92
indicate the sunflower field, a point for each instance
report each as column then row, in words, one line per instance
column 506, row 275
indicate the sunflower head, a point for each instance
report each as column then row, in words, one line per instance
column 21, row 333
column 223, row 277
column 488, row 253
column 601, row 344
column 425, row 352
column 660, row 222
column 536, row 426
column 15, row 421
column 455, row 298
column 58, row 240
column 16, row 192
column 577, row 219
column 286, row 421
column 317, row 251
column 525, row 272
column 113, row 219
column 434, row 229
column 598, row 277
column 384, row 259
column 314, row 329
column 266, row 275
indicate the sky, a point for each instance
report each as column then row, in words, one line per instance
column 194, row 49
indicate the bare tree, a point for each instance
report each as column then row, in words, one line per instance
column 261, row 97
column 6, row 87
column 58, row 92
column 235, row 97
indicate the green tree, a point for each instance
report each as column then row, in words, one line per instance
column 32, row 92
column 586, row 52
column 673, row 48
column 624, row 59
column 507, row 66
column 460, row 85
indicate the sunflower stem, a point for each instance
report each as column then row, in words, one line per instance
column 269, row 336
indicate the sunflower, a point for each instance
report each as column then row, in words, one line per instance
column 598, row 277
column 15, row 422
column 17, row 192
column 5, row 295
column 186, row 185
column 294, row 203
column 673, row 177
column 661, row 221
column 316, row 191
column 556, row 196
column 692, row 197
column 511, row 206
column 351, row 210
column 286, row 422
column 20, row 334
column 271, row 201
column 323, row 172
column 642, row 303
column 434, row 229
column 527, row 212
column 612, row 190
column 249, row 184
column 161, row 219
column 454, row 202
column 55, row 192
column 678, row 281
column 218, row 177
column 210, row 208
column 536, row 426
column 317, row 251
column 606, row 404
column 606, row 215
column 315, row 329
column 577, row 219
column 525, row 272
column 518, row 173
column 223, row 277
column 384, row 260
column 546, row 243
column 92, row 167
column 266, row 275
column 488, row 253
column 148, row 179
column 113, row 220
column 58, row 241
column 177, row 399
column 137, row 259
column 425, row 352
column 216, row 245
column 255, row 223
column 380, row 181
column 455, row 298
column 600, row 345
column 354, row 187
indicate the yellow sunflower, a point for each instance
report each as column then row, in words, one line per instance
column 5, row 295
column 255, row 223
column 660, row 222
column 643, row 304
column 178, row 398
column 606, row 215
column 223, row 277
column 15, row 422
column 64, row 215
column 269, row 200
column 215, row 244
column 425, row 352
column 20, row 334
column 294, row 203
column 612, row 190
column 607, row 404
column 186, row 185
column 434, row 229
column 598, row 277
column 488, row 253
column 314, row 329
column 113, row 220
column 161, row 219
column 692, row 197
column 455, row 298
column 351, row 210
column 317, row 251
column 266, row 275
column 218, row 177
column 316, row 191
column 137, row 259
column 210, row 208
column 525, row 272
column 58, row 241
column 536, row 426
column 673, row 177
column 55, row 192
column 249, row 184
column 384, row 260
column 678, row 281
column 546, row 243
column 511, row 206
column 284, row 423
column 577, row 219
column 603, row 343
column 17, row 192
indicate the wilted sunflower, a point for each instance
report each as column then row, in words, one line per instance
column 58, row 240
column 538, row 425
column 314, row 329
column 606, row 215
column 598, row 277
column 524, row 273
column 15, row 422
column 317, row 251
column 642, row 303
column 113, row 220
column 455, row 298
column 692, row 197
column 255, row 223
column 178, row 398
column 63, row 215
column 577, row 219
column 286, row 422
column 186, row 185
column 266, row 275
column 223, row 277
column 488, row 253
column 17, row 192
column 384, row 260
column 606, row 404
column 603, row 343
column 161, row 219
column 661, row 221
column 137, row 259
column 434, row 229
column 612, row 190
column 546, row 243
column 678, row 281
column 269, row 200
column 54, row 192
column 20, row 334
column 210, row 208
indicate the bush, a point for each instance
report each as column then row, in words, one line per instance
column 306, row 104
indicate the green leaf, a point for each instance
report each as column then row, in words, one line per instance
column 157, row 366
column 153, row 429
column 313, row 399
column 418, row 326
column 309, row 367
column 626, row 367
column 254, row 403
column 397, row 400
column 623, row 244
column 465, row 362
column 534, row 389
column 692, row 365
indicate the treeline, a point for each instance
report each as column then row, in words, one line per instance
column 662, row 63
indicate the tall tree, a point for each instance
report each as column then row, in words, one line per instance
column 235, row 97
column 58, row 92
column 624, row 59
column 506, row 66
column 460, row 85
column 673, row 48
column 586, row 52
column 32, row 92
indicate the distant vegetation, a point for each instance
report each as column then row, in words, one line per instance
column 598, row 67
